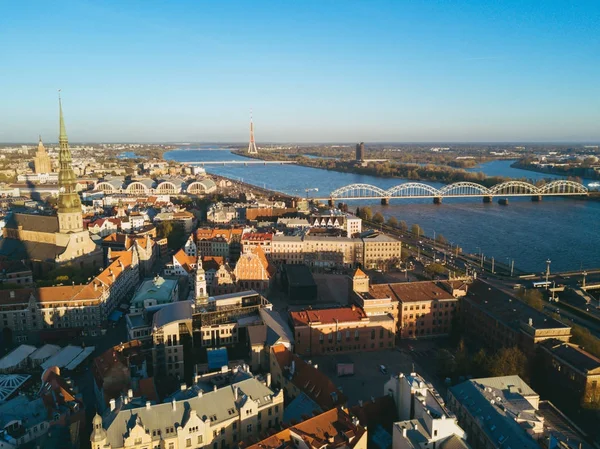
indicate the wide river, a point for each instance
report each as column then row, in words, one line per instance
column 566, row 231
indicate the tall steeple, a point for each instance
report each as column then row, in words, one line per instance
column 69, row 205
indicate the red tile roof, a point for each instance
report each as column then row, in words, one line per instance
column 308, row 379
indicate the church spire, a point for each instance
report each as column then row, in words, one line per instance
column 69, row 204
column 62, row 136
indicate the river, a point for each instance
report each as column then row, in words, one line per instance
column 566, row 231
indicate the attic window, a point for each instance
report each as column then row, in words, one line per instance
column 213, row 418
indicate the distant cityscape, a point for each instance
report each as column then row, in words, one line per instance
column 149, row 303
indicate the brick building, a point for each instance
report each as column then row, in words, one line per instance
column 343, row 329
column 499, row 320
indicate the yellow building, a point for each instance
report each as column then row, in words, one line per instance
column 41, row 160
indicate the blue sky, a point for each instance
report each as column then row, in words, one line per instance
column 312, row 71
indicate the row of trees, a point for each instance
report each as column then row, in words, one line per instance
column 507, row 361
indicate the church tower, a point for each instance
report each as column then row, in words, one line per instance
column 70, row 218
column 200, row 283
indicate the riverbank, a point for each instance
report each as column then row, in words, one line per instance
column 569, row 173
column 412, row 172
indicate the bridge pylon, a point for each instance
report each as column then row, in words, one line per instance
column 331, row 202
column 536, row 198
column 437, row 200
column 385, row 201
column 487, row 199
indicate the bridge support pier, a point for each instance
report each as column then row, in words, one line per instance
column 331, row 202
column 487, row 199
column 536, row 198
column 385, row 201
column 437, row 200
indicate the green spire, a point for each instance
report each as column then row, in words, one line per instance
column 63, row 132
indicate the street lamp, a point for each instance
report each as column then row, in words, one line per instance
column 548, row 262
column 512, row 265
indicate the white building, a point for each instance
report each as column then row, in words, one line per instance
column 424, row 419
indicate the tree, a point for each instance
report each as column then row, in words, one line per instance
column 509, row 361
column 365, row 213
column 416, row 230
column 378, row 218
column 435, row 268
column 533, row 298
column 164, row 229
column 480, row 364
column 393, row 222
column 441, row 239
column 403, row 226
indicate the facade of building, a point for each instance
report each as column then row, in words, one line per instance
column 497, row 320
column 41, row 160
column 336, row 219
column 572, row 370
column 380, row 250
column 343, row 329
column 420, row 309
column 208, row 322
column 252, row 240
column 360, row 152
column 425, row 421
column 253, row 270
column 215, row 419
column 223, row 281
column 82, row 308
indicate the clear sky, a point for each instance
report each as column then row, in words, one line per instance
column 312, row 71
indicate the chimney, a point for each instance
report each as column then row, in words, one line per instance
column 360, row 403
column 148, row 405
column 183, row 387
column 113, row 404
column 174, row 404
column 130, row 393
column 268, row 380
column 215, row 388
column 200, row 393
column 530, row 321
column 316, row 366
column 12, row 293
column 404, row 432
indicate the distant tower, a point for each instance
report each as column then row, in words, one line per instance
column 41, row 160
column 70, row 217
column 360, row 152
column 252, row 145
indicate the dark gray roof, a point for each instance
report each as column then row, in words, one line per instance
column 299, row 275
column 13, row 249
column 219, row 406
column 33, row 222
column 176, row 311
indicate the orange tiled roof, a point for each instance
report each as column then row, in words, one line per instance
column 317, row 432
column 257, row 236
column 314, row 383
column 184, row 259
column 359, row 273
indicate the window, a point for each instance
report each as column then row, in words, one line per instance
column 188, row 442
column 199, row 439
column 249, row 428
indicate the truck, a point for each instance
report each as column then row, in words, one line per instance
column 344, row 366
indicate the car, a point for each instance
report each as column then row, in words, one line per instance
column 383, row 369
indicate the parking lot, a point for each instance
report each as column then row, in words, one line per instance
column 368, row 380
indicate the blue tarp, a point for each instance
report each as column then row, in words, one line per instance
column 115, row 315
column 217, row 358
